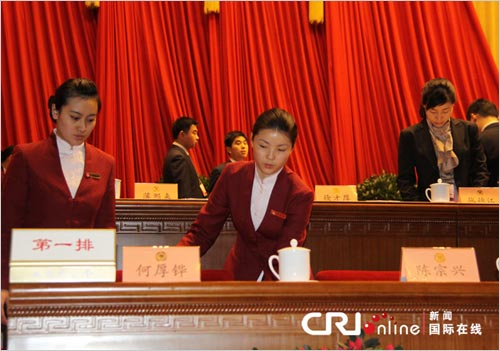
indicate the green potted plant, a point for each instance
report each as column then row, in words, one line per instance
column 379, row 187
column 204, row 180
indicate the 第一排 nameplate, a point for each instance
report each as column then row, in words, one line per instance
column 63, row 255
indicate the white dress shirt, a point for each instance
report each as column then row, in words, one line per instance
column 261, row 193
column 487, row 125
column 182, row 147
column 72, row 162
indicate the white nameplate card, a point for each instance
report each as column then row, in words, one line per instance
column 159, row 264
column 63, row 255
column 335, row 193
column 156, row 191
column 478, row 195
column 439, row 264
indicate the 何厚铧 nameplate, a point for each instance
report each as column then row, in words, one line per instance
column 62, row 255
column 159, row 264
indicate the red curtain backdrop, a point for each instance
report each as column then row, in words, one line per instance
column 43, row 44
column 352, row 83
column 152, row 68
column 380, row 56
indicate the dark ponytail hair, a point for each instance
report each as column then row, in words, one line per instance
column 436, row 92
column 276, row 118
column 74, row 87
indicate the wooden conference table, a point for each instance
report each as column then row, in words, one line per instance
column 360, row 235
column 244, row 315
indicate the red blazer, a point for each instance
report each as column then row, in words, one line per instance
column 286, row 218
column 35, row 193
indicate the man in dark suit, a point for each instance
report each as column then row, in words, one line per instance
column 485, row 114
column 236, row 143
column 178, row 167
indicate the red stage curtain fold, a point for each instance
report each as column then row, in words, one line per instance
column 43, row 44
column 381, row 54
column 152, row 69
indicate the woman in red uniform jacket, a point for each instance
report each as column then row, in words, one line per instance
column 60, row 182
column 268, row 203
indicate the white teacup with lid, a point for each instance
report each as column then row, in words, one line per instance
column 294, row 263
column 440, row 192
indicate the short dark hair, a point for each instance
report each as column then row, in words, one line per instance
column 483, row 108
column 276, row 118
column 436, row 92
column 229, row 138
column 182, row 124
column 73, row 87
column 7, row 152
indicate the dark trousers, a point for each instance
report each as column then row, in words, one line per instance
column 4, row 337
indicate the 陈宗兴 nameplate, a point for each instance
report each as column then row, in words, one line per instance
column 63, row 255
column 156, row 191
column 159, row 264
column 439, row 264
column 335, row 193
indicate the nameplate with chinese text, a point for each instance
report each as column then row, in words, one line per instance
column 439, row 264
column 335, row 193
column 478, row 195
column 159, row 264
column 62, row 255
column 156, row 191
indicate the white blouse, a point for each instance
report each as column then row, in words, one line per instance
column 261, row 193
column 72, row 162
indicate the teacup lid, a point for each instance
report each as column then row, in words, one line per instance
column 293, row 247
column 440, row 183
